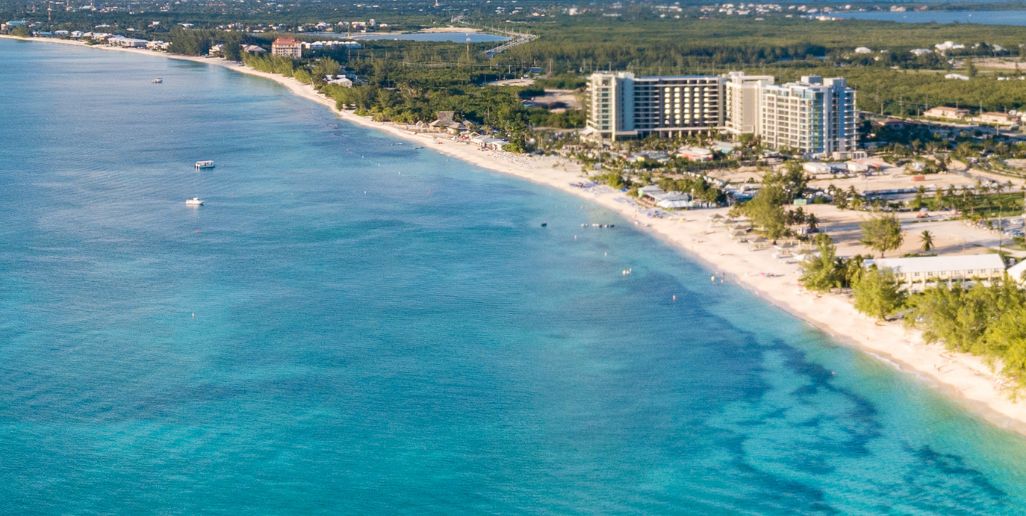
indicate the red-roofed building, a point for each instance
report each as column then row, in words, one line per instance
column 287, row 47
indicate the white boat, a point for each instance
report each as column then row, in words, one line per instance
column 207, row 163
column 195, row 201
column 158, row 80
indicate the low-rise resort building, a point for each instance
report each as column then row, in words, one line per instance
column 919, row 272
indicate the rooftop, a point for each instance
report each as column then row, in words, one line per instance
column 939, row 263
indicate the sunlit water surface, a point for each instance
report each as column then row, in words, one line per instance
column 353, row 324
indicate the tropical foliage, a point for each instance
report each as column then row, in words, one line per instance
column 989, row 321
column 877, row 293
column 824, row 271
column 882, row 233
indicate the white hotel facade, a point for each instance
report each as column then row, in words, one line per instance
column 813, row 116
column 625, row 106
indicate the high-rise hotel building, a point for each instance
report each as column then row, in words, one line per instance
column 624, row 106
column 742, row 101
column 814, row 116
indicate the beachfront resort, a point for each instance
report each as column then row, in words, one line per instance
column 726, row 145
column 768, row 245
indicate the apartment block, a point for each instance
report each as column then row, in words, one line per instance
column 743, row 94
column 624, row 106
column 287, row 47
column 814, row 116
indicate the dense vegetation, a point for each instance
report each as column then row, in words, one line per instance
column 718, row 44
column 988, row 321
column 910, row 92
column 392, row 92
column 636, row 39
column 882, row 233
column 766, row 210
column 985, row 321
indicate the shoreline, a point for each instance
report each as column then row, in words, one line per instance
column 963, row 378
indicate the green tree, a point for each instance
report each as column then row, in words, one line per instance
column 927, row 240
column 853, row 269
column 825, row 271
column 232, row 50
column 918, row 202
column 938, row 199
column 766, row 211
column 303, row 76
column 882, row 233
column 877, row 293
column 1006, row 338
column 791, row 181
column 970, row 68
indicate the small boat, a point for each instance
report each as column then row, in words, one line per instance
column 207, row 163
column 158, row 80
column 195, row 201
column 544, row 224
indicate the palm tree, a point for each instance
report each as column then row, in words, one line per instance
column 927, row 239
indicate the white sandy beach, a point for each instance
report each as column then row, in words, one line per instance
column 965, row 378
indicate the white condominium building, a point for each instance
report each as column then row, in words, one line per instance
column 742, row 100
column 814, row 116
column 624, row 106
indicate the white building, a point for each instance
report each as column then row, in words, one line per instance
column 1017, row 273
column 654, row 195
column 948, row 45
column 339, row 80
column 814, row 116
column 121, row 41
column 916, row 273
column 997, row 118
column 253, row 49
column 743, row 93
column 624, row 106
column 946, row 112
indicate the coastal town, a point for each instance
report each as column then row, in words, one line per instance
column 797, row 175
column 515, row 256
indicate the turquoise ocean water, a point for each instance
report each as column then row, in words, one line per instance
column 355, row 325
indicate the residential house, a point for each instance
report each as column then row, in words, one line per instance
column 997, row 118
column 946, row 112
